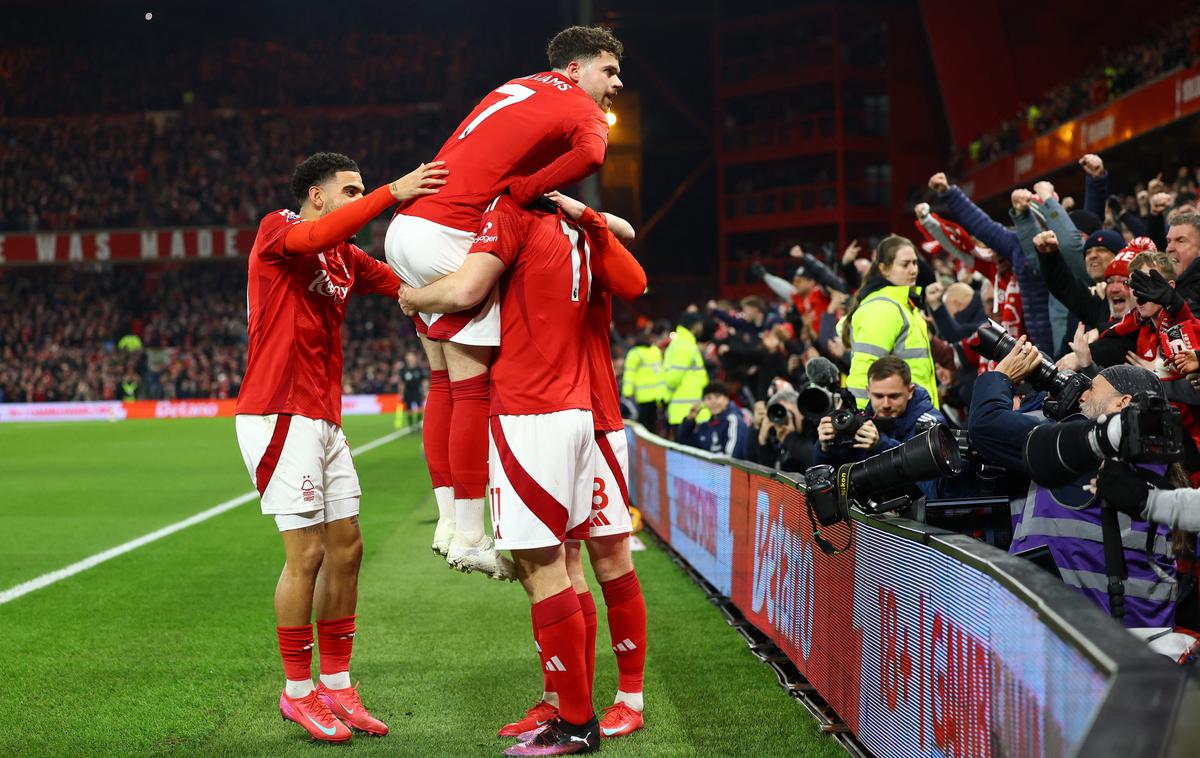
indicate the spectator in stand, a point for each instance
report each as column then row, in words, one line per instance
column 724, row 433
column 1183, row 244
column 1034, row 296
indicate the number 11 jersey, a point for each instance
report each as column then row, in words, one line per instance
column 518, row 129
column 541, row 366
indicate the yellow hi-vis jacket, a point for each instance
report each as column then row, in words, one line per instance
column 643, row 379
column 888, row 323
column 685, row 377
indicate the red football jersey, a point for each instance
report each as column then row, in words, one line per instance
column 541, row 365
column 295, row 307
column 519, row 129
column 606, row 397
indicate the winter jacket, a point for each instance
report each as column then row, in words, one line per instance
column 1034, row 295
column 724, row 434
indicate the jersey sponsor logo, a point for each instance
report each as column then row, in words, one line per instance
column 322, row 285
column 550, row 79
column 483, row 238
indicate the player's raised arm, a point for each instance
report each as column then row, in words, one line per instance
column 339, row 209
column 614, row 267
column 458, row 291
column 585, row 157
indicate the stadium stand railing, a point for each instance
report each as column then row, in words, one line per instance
column 923, row 641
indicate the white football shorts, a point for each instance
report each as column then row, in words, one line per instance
column 300, row 467
column 610, row 488
column 541, row 468
column 421, row 251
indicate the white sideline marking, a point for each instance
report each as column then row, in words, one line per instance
column 45, row 580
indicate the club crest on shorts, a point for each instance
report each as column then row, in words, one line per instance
column 309, row 490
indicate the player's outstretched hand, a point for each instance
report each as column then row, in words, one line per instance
column 570, row 206
column 405, row 301
column 424, row 181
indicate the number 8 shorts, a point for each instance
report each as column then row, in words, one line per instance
column 541, row 469
column 610, row 489
column 421, row 251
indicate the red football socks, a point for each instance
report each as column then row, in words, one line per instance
column 436, row 432
column 547, row 685
column 335, row 640
column 295, row 645
column 627, row 625
column 588, row 605
column 469, row 436
column 560, row 634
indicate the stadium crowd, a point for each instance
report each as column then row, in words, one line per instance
column 133, row 332
column 191, row 168
column 842, row 359
column 1173, row 46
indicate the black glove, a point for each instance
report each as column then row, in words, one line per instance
column 1153, row 288
column 758, row 271
column 1122, row 488
column 1114, row 205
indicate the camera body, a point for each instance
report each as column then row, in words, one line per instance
column 1148, row 430
column 846, row 423
column 1066, row 388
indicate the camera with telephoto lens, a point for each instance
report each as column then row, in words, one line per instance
column 882, row 482
column 777, row 412
column 823, row 394
column 1065, row 388
column 1148, row 430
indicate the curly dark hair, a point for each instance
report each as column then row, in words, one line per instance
column 576, row 43
column 317, row 169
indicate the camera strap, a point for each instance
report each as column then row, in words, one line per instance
column 1114, row 561
column 843, row 495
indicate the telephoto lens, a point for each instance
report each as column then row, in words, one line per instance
column 929, row 455
column 993, row 341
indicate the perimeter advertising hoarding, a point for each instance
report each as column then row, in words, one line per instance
column 918, row 653
column 116, row 410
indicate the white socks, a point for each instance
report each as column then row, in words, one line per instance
column 338, row 681
column 631, row 699
column 468, row 518
column 299, row 689
column 445, row 502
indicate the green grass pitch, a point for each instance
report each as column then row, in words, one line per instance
column 170, row 649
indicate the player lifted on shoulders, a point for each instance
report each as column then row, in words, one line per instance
column 540, row 429
column 289, row 416
column 616, row 273
column 528, row 136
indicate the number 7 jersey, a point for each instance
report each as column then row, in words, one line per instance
column 541, row 365
column 519, row 128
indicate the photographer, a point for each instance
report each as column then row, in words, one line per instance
column 780, row 438
column 1066, row 519
column 724, row 433
column 897, row 411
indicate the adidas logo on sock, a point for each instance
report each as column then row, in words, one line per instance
column 554, row 664
column 625, row 646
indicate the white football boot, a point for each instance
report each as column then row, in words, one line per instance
column 469, row 553
column 442, row 536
